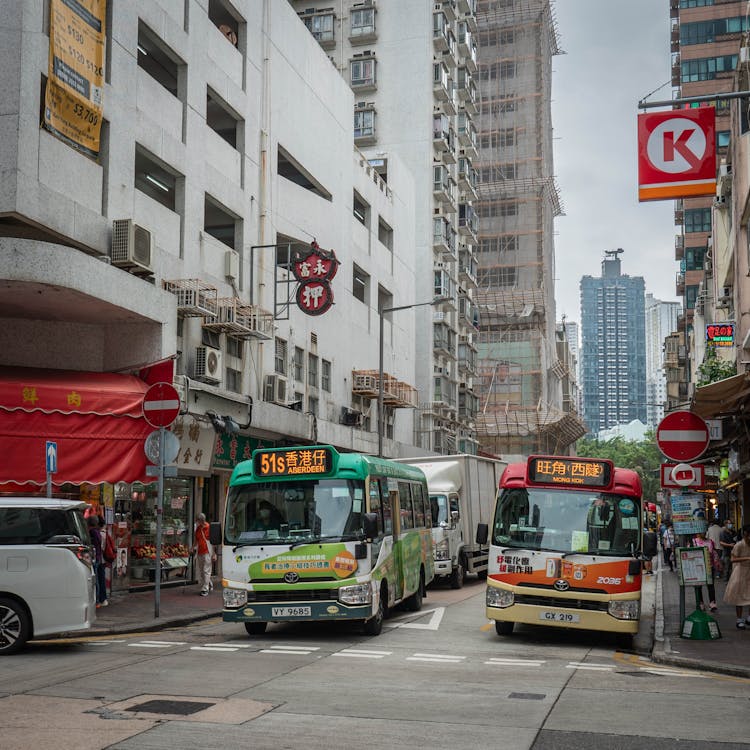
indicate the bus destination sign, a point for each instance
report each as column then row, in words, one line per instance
column 583, row 472
column 288, row 462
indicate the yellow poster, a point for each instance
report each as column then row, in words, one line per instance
column 73, row 99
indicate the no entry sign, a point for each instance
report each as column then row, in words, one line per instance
column 161, row 405
column 682, row 436
column 676, row 154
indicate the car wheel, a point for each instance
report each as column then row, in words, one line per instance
column 503, row 628
column 255, row 628
column 414, row 602
column 374, row 625
column 458, row 574
column 15, row 627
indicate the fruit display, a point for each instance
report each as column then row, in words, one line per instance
column 148, row 551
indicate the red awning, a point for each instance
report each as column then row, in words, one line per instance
column 95, row 418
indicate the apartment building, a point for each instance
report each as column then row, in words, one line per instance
column 661, row 321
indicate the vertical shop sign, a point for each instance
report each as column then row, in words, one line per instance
column 196, row 446
column 73, row 96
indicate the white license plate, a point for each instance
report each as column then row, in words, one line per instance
column 290, row 611
column 552, row 616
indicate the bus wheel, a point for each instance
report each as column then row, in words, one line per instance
column 503, row 628
column 255, row 628
column 414, row 602
column 458, row 574
column 374, row 625
column 624, row 641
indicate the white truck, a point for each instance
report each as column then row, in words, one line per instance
column 462, row 491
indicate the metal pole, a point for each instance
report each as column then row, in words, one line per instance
column 159, row 507
column 381, row 420
column 643, row 104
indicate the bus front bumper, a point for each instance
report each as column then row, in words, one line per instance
column 301, row 611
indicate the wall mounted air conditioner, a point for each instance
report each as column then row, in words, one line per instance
column 232, row 264
column 132, row 246
column 351, row 417
column 208, row 364
column 275, row 389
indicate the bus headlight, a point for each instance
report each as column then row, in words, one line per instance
column 499, row 598
column 234, row 598
column 629, row 609
column 442, row 550
column 360, row 593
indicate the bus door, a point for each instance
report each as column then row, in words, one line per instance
column 394, row 501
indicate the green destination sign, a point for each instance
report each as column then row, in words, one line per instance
column 231, row 449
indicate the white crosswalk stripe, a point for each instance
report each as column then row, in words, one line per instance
column 157, row 644
column 299, row 650
column 357, row 653
column 443, row 658
column 516, row 662
column 224, row 649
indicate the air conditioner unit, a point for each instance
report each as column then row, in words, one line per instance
column 232, row 264
column 275, row 389
column 351, row 417
column 208, row 364
column 132, row 245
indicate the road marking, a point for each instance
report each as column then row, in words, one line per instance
column 233, row 644
column 362, row 653
column 433, row 624
column 105, row 643
column 590, row 667
column 301, row 650
column 150, row 645
column 444, row 658
column 166, row 643
column 225, row 649
column 516, row 662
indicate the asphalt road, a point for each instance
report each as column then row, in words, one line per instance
column 437, row 679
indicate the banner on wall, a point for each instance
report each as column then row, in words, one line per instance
column 73, row 95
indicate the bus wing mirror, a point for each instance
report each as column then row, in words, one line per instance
column 214, row 534
column 371, row 525
column 483, row 532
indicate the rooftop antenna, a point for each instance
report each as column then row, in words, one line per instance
column 612, row 254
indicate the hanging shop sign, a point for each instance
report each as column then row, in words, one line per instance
column 314, row 270
column 230, row 449
column 196, row 446
column 720, row 334
column 73, row 95
column 676, row 154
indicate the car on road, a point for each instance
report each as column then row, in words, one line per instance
column 46, row 574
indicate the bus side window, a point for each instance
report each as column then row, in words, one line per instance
column 375, row 503
column 416, row 490
column 385, row 502
column 405, row 500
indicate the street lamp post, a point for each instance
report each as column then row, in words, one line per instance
column 381, row 416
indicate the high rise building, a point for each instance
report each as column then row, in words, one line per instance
column 661, row 321
column 520, row 375
column 705, row 41
column 613, row 352
column 412, row 66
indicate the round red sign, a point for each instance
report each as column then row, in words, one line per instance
column 161, row 405
column 682, row 436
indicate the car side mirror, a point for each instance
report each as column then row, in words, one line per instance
column 483, row 532
column 370, row 523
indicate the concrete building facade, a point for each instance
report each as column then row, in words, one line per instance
column 661, row 321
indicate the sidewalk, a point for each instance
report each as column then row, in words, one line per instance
column 729, row 654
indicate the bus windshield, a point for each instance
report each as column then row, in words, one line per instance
column 295, row 511
column 567, row 521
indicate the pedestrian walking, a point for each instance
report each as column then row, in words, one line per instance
column 649, row 551
column 737, row 591
column 98, row 561
column 668, row 544
column 204, row 555
column 714, row 534
column 727, row 540
column 701, row 540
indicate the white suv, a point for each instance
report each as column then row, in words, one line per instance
column 46, row 577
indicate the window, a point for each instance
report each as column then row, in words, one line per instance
column 325, row 375
column 706, row 69
column 157, row 59
column 363, row 21
column 289, row 168
column 279, row 356
column 221, row 119
column 360, row 284
column 694, row 258
column 385, row 234
column 361, row 209
column 234, row 347
column 364, row 123
column 385, row 298
column 298, row 364
column 705, row 32
column 219, row 223
column 312, row 370
column 226, row 19
column 313, row 405
column 691, row 292
column 155, row 179
column 405, row 501
column 697, row 220
column 321, row 27
column 722, row 138
column 234, row 380
column 362, row 72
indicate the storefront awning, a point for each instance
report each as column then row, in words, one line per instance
column 95, row 418
column 722, row 398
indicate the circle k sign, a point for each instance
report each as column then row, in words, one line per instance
column 676, row 154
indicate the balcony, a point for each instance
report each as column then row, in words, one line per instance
column 680, row 284
column 241, row 320
column 445, row 285
column 467, row 47
column 396, row 394
column 440, row 31
column 676, row 71
column 679, row 213
column 444, row 397
column 195, row 298
column 467, row 176
column 467, row 6
column 467, row 268
column 441, row 132
column 449, row 8
column 467, row 221
column 444, row 189
column 468, row 402
column 467, row 134
column 362, row 24
column 679, row 246
column 467, row 357
column 441, row 82
column 467, row 311
column 444, row 340
column 467, row 91
column 443, row 237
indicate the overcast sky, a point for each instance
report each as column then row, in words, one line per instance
column 616, row 53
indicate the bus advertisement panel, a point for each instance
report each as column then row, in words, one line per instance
column 311, row 534
column 565, row 545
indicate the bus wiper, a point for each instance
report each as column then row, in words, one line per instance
column 314, row 540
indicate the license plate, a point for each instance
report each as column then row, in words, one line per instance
column 551, row 616
column 290, row 611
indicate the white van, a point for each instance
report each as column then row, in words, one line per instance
column 46, row 576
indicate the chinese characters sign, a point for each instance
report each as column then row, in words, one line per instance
column 314, row 271
column 73, row 96
column 230, row 449
column 720, row 334
column 196, row 446
column 292, row 462
column 569, row 471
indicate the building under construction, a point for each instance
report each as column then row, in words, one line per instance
column 520, row 384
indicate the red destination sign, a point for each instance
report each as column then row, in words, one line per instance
column 682, row 436
column 676, row 154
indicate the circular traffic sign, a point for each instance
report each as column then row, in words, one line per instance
column 683, row 475
column 171, row 446
column 682, row 436
column 161, row 405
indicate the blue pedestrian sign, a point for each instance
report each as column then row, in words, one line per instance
column 50, row 453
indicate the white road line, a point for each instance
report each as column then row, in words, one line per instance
column 296, row 648
column 104, row 643
column 441, row 656
column 433, row 659
column 167, row 643
column 284, row 652
column 225, row 649
column 588, row 664
column 357, row 656
column 149, row 645
column 590, row 668
column 436, row 616
column 233, row 644
column 516, row 662
column 362, row 652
